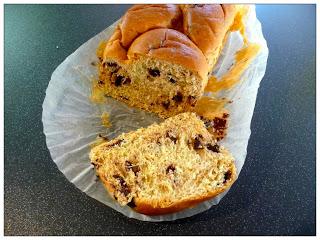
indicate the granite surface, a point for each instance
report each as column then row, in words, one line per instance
column 275, row 193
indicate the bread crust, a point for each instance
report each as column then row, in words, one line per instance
column 142, row 18
column 206, row 25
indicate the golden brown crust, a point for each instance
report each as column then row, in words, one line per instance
column 141, row 18
column 206, row 25
column 170, row 45
column 114, row 49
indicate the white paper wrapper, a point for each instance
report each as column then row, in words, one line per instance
column 71, row 122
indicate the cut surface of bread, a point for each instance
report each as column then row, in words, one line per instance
column 159, row 56
column 165, row 73
column 166, row 167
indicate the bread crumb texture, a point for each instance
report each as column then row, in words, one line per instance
column 166, row 167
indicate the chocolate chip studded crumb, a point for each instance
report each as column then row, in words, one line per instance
column 213, row 148
column 131, row 204
column 172, row 136
column 170, row 169
column 166, row 104
column 197, row 144
column 225, row 115
column 227, row 176
column 154, row 72
column 178, row 98
column 119, row 179
column 124, row 189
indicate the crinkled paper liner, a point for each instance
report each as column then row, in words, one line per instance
column 71, row 122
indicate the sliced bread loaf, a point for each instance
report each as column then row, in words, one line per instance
column 166, row 167
column 159, row 56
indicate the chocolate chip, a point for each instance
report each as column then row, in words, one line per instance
column 170, row 169
column 219, row 123
column 119, row 80
column 119, row 179
column 127, row 81
column 124, row 187
column 125, row 98
column 94, row 164
column 135, row 169
column 178, row 98
column 192, row 100
column 166, row 104
column 154, row 72
column 197, row 144
column 172, row 136
column 225, row 115
column 227, row 176
column 112, row 64
column 116, row 143
column 172, row 80
column 125, row 190
column 213, row 148
column 100, row 82
column 131, row 204
column 129, row 166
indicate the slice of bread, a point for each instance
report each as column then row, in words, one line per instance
column 166, row 167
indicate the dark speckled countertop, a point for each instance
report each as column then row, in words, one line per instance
column 275, row 193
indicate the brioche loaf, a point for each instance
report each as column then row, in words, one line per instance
column 159, row 56
column 166, row 167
